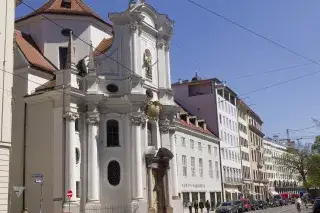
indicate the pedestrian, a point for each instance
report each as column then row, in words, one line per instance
column 189, row 206
column 201, row 205
column 207, row 204
column 299, row 204
column 196, row 206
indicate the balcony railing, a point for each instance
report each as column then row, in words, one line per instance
column 232, row 180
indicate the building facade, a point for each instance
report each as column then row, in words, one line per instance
column 243, row 128
column 221, row 117
column 280, row 178
column 94, row 116
column 198, row 160
column 6, row 98
column 259, row 186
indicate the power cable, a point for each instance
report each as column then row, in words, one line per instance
column 253, row 32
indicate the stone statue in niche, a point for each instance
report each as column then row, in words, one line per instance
column 147, row 63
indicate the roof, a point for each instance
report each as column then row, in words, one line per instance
column 103, row 46
column 78, row 8
column 46, row 86
column 191, row 125
column 32, row 53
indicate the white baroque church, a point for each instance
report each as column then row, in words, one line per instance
column 93, row 111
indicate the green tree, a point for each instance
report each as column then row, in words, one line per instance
column 316, row 145
column 297, row 161
column 314, row 171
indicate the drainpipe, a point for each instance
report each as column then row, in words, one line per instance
column 24, row 155
column 242, row 179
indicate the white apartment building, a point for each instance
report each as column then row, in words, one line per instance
column 279, row 177
column 243, row 123
column 7, row 12
column 213, row 101
column 198, row 161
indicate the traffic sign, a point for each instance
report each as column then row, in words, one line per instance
column 18, row 190
column 69, row 193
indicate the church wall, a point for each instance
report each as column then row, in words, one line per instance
column 39, row 155
column 97, row 35
column 120, row 194
column 54, row 39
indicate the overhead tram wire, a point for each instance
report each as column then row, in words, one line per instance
column 128, row 69
column 253, row 32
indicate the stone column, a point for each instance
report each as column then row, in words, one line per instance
column 70, row 155
column 168, row 191
column 93, row 195
column 174, row 172
column 136, row 136
column 150, row 187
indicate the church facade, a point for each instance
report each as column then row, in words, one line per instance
column 94, row 112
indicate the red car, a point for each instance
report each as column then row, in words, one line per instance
column 246, row 204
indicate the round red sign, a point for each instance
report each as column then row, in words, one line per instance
column 69, row 193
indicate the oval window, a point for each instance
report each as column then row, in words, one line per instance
column 114, row 173
column 77, row 155
column 112, row 88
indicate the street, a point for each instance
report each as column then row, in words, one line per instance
column 285, row 209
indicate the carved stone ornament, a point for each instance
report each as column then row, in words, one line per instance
column 172, row 128
column 71, row 116
column 93, row 120
column 138, row 120
column 164, row 126
column 167, row 46
column 134, row 26
column 160, row 44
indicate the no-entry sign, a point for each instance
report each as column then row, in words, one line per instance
column 69, row 193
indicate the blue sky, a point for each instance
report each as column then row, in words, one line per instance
column 217, row 48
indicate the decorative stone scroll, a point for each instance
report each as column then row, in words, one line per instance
column 164, row 126
column 93, row 120
column 160, row 44
column 138, row 119
column 71, row 116
column 136, row 26
column 167, row 46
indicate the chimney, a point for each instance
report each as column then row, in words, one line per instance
column 204, row 126
column 188, row 119
column 196, row 123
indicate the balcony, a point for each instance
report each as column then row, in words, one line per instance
column 232, row 181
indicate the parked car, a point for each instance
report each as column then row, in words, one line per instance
column 271, row 203
column 227, row 207
column 263, row 204
column 316, row 206
column 240, row 205
column 254, row 205
column 283, row 202
column 247, row 204
column 276, row 203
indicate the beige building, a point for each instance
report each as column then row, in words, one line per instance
column 7, row 11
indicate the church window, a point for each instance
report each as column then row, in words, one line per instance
column 112, row 133
column 112, row 88
column 114, row 173
column 76, row 125
column 149, row 126
column 77, row 155
column 66, row 4
column 78, row 189
column 63, row 53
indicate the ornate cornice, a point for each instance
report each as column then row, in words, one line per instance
column 167, row 46
column 71, row 116
column 137, row 120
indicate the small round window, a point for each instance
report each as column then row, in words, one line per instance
column 112, row 88
column 114, row 173
column 77, row 155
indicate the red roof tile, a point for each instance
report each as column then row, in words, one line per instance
column 104, row 45
column 191, row 125
column 194, row 127
column 55, row 7
column 32, row 53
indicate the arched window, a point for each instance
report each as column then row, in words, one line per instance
column 112, row 133
column 114, row 173
column 77, row 155
column 149, row 129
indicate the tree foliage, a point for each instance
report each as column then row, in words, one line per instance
column 297, row 160
column 314, row 171
column 316, row 146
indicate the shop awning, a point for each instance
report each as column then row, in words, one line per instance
column 236, row 191
column 230, row 191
